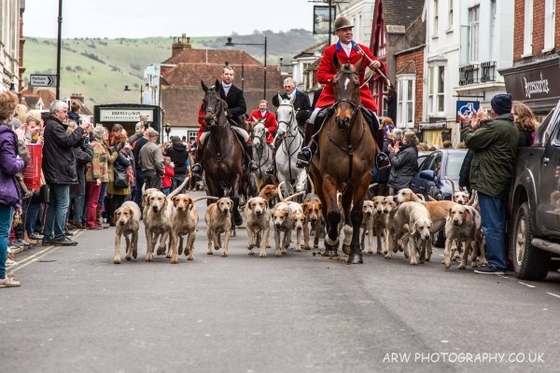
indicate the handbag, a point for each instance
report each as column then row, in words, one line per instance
column 42, row 196
column 120, row 175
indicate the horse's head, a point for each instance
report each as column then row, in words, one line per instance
column 259, row 134
column 212, row 104
column 346, row 84
column 286, row 117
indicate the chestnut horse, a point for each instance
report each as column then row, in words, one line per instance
column 222, row 159
column 343, row 163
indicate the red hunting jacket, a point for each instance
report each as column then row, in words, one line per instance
column 270, row 122
column 327, row 70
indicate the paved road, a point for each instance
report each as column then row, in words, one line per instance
column 79, row 312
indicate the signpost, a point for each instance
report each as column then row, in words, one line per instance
column 42, row 80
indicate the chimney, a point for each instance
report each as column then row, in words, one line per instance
column 77, row 96
column 180, row 44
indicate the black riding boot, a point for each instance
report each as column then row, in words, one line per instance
column 271, row 170
column 197, row 167
column 306, row 153
column 381, row 159
column 252, row 165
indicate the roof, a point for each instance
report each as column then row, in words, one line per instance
column 401, row 12
column 211, row 56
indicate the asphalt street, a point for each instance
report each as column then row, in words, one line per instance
column 76, row 311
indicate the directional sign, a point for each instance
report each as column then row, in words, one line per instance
column 42, row 80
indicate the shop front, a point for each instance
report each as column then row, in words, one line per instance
column 535, row 84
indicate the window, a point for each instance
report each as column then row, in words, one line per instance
column 405, row 101
column 549, row 24
column 436, row 18
column 436, row 88
column 450, row 15
column 474, row 16
column 528, row 29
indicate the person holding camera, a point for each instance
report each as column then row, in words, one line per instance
column 60, row 171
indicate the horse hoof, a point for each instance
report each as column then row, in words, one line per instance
column 355, row 259
column 346, row 249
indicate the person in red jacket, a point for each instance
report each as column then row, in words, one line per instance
column 346, row 50
column 270, row 123
column 168, row 173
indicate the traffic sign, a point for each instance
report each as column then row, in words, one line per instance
column 42, row 80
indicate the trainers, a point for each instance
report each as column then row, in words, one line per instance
column 47, row 241
column 10, row 262
column 9, row 282
column 304, row 157
column 197, row 169
column 271, row 170
column 253, row 166
column 489, row 270
column 64, row 242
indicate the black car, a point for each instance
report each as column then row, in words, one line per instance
column 430, row 179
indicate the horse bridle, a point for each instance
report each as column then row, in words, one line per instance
column 215, row 113
column 288, row 123
column 355, row 107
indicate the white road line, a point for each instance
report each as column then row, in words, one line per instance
column 528, row 285
column 35, row 257
column 554, row 295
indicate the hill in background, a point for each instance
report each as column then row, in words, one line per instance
column 101, row 68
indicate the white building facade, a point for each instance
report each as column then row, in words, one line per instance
column 9, row 43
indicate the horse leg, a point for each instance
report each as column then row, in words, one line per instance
column 355, row 256
column 332, row 216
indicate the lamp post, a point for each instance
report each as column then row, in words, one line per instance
column 126, row 89
column 231, row 44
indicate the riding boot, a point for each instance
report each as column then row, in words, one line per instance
column 381, row 159
column 306, row 153
column 251, row 164
column 197, row 167
column 271, row 170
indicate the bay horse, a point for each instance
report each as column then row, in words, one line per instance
column 286, row 154
column 222, row 159
column 343, row 163
column 262, row 154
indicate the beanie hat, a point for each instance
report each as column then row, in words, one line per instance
column 501, row 103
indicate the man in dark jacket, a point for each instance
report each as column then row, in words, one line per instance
column 179, row 156
column 60, row 170
column 494, row 146
column 301, row 103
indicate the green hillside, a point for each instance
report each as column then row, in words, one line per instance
column 100, row 68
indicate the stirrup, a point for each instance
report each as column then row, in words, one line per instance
column 270, row 170
column 197, row 169
column 304, row 157
column 382, row 161
column 253, row 166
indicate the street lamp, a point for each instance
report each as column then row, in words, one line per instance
column 231, row 44
column 126, row 89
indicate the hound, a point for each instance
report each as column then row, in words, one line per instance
column 218, row 221
column 127, row 223
column 258, row 225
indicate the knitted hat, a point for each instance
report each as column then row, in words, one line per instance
column 501, row 103
column 342, row 22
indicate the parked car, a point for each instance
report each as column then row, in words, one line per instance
column 534, row 203
column 430, row 179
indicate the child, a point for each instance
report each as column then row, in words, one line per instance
column 168, row 174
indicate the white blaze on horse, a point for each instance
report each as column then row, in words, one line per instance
column 262, row 153
column 295, row 179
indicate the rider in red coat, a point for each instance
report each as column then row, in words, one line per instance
column 270, row 123
column 344, row 51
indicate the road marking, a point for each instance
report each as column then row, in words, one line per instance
column 554, row 295
column 528, row 285
column 35, row 257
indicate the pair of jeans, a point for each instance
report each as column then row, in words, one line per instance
column 6, row 215
column 55, row 221
column 79, row 202
column 30, row 219
column 139, row 185
column 492, row 212
column 177, row 180
column 93, row 191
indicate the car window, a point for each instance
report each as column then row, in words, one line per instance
column 426, row 165
column 435, row 163
column 454, row 162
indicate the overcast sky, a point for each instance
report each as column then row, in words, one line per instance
column 144, row 18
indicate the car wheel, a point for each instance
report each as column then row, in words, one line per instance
column 529, row 262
